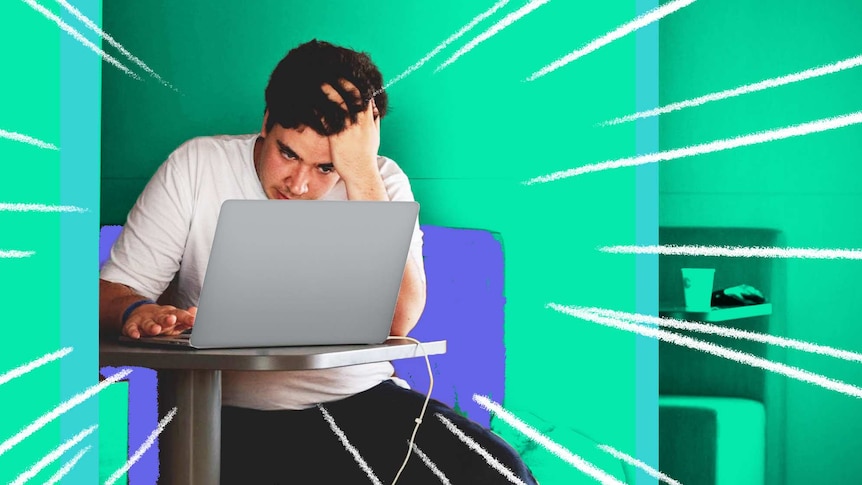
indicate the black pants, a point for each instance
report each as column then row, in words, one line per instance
column 300, row 447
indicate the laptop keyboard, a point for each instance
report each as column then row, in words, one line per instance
column 183, row 336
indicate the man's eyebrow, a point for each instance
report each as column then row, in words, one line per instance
column 287, row 151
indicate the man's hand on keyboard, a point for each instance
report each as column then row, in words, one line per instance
column 152, row 319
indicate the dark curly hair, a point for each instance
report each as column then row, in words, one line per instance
column 294, row 97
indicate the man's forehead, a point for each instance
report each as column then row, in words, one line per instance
column 305, row 143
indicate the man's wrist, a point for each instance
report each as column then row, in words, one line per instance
column 365, row 186
column 358, row 171
column 134, row 306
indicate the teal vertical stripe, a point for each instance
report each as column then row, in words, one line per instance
column 80, row 112
column 646, row 233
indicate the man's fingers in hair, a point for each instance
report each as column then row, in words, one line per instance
column 371, row 112
column 342, row 93
column 351, row 88
column 333, row 95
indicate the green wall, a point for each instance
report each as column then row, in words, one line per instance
column 807, row 187
column 467, row 137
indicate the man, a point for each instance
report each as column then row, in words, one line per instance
column 319, row 140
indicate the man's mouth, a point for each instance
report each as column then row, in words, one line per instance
column 281, row 195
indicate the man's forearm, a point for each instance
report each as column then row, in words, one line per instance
column 114, row 299
column 411, row 296
column 365, row 187
column 411, row 300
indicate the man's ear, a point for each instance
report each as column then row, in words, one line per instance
column 263, row 126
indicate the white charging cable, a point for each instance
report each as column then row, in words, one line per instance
column 424, row 405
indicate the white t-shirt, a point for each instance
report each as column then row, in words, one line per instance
column 168, row 236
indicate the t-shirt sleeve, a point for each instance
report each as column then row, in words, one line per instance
column 148, row 251
column 398, row 187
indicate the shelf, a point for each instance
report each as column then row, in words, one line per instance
column 718, row 314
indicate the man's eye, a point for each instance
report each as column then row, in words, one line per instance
column 288, row 156
column 326, row 168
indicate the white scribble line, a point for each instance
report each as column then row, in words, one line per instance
column 431, row 465
column 95, row 28
column 32, row 365
column 353, row 451
column 729, row 332
column 717, row 350
column 62, row 472
column 11, row 135
column 60, row 409
column 748, row 88
column 637, row 463
column 502, row 24
column 16, row 254
column 621, row 31
column 737, row 251
column 52, row 456
column 143, row 448
column 14, row 207
column 825, row 124
column 452, row 38
column 555, row 448
column 471, row 443
column 80, row 38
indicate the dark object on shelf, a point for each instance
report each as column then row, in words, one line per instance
column 739, row 295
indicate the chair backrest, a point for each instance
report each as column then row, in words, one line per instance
column 464, row 270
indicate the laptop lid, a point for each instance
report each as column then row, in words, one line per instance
column 286, row 273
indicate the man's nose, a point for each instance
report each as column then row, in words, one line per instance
column 298, row 181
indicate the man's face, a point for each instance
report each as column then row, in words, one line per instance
column 294, row 163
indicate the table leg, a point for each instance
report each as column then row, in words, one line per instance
column 190, row 445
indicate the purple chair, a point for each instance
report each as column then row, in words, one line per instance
column 464, row 271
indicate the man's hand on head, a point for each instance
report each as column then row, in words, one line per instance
column 153, row 319
column 354, row 150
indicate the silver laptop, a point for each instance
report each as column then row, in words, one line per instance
column 291, row 273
